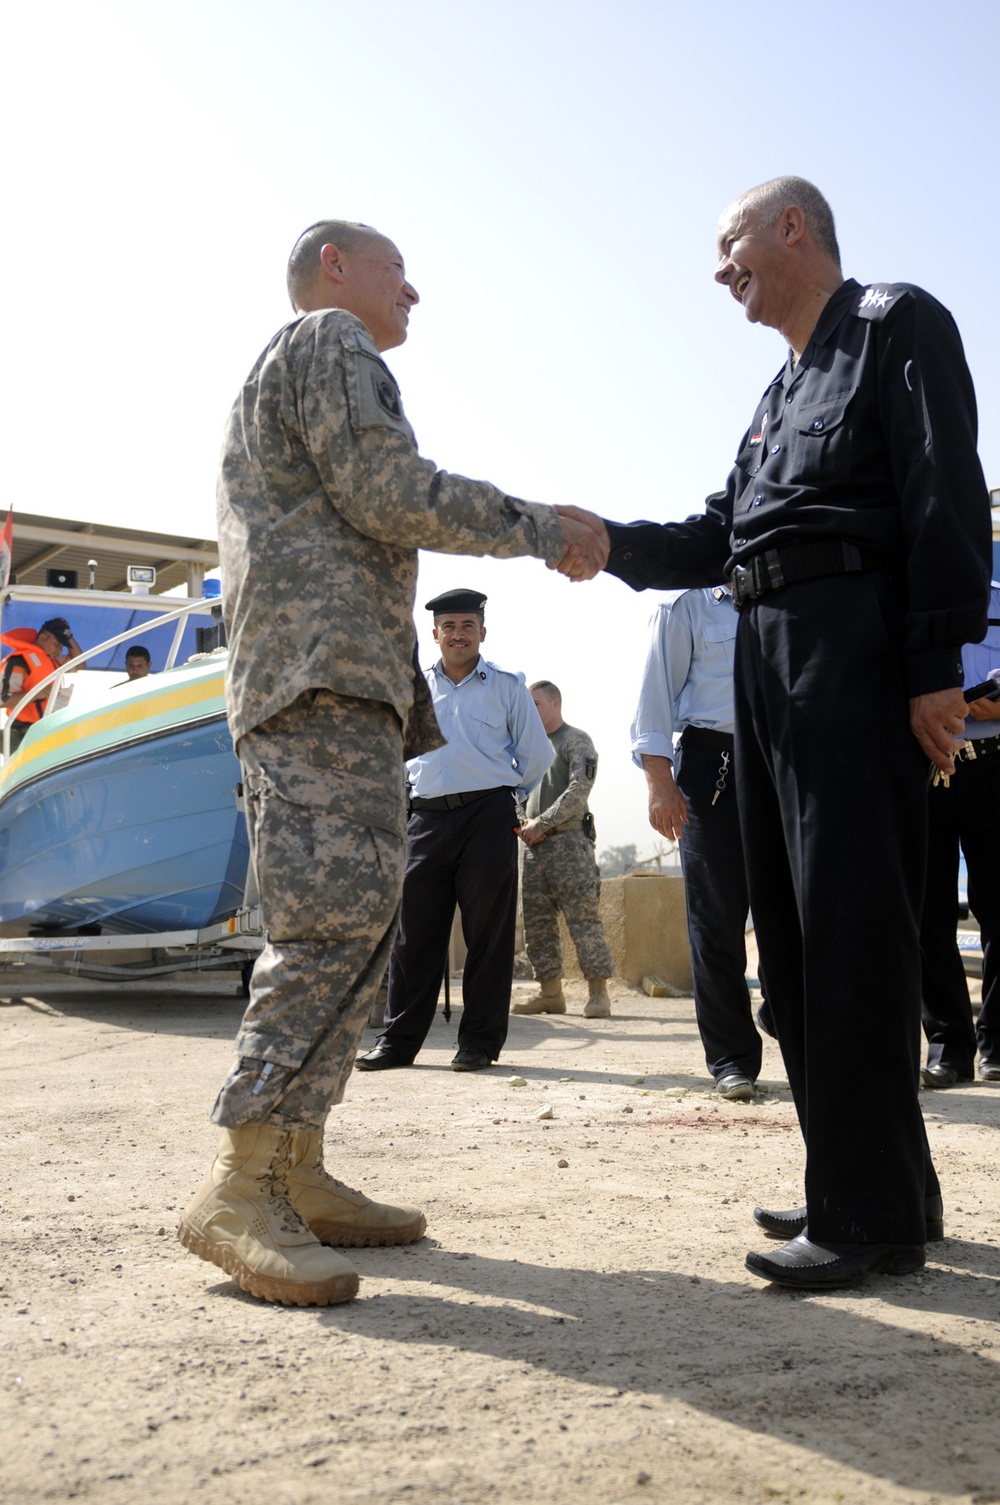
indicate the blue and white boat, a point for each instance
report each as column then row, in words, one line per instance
column 121, row 810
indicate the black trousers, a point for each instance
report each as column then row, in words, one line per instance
column 466, row 856
column 966, row 813
column 715, row 892
column 833, row 804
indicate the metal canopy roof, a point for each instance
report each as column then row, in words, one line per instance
column 55, row 543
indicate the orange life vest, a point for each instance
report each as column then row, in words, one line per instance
column 39, row 665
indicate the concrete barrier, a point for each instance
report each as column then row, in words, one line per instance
column 646, row 925
column 645, row 922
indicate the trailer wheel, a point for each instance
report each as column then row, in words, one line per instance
column 245, row 970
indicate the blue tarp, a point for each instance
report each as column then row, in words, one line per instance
column 94, row 624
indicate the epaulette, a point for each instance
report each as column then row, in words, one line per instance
column 515, row 674
column 875, row 302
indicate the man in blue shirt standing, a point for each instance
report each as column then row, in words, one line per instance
column 687, row 691
column 461, row 845
column 965, row 810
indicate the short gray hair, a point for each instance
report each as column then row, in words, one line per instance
column 304, row 260
column 770, row 200
column 547, row 688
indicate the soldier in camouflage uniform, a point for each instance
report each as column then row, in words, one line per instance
column 558, row 871
column 323, row 503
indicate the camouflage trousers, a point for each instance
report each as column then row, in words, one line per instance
column 325, row 808
column 560, row 874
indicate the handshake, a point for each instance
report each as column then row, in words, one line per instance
column 586, row 544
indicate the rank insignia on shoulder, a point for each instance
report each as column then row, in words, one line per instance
column 590, row 768
column 875, row 297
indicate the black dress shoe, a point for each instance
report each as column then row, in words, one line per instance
column 471, row 1060
column 382, row 1058
column 942, row 1076
column 790, row 1224
column 812, row 1267
column 735, row 1087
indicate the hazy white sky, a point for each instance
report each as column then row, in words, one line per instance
column 552, row 173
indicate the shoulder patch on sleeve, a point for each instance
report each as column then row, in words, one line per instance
column 373, row 397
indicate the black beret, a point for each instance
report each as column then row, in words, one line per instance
column 458, row 600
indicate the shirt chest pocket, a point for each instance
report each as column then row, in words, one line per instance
column 718, row 645
column 820, row 434
column 488, row 728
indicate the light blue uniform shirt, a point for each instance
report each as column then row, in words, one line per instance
column 688, row 678
column 494, row 734
column 977, row 661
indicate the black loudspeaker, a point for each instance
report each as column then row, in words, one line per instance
column 61, row 579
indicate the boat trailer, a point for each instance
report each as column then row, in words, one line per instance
column 229, row 945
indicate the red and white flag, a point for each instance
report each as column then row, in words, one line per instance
column 6, row 548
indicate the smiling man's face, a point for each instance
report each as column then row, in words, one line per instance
column 458, row 635
column 375, row 289
column 750, row 263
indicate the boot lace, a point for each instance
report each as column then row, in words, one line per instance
column 314, row 1163
column 275, row 1181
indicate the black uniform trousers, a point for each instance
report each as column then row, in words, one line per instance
column 466, row 856
column 967, row 812
column 715, row 892
column 833, row 803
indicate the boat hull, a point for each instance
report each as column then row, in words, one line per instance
column 135, row 829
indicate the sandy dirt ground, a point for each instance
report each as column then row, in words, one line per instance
column 576, row 1327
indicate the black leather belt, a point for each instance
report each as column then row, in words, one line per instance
column 452, row 801
column 979, row 747
column 707, row 737
column 775, row 568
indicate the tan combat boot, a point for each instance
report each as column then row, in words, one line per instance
column 336, row 1214
column 243, row 1220
column 549, row 1001
column 598, row 1005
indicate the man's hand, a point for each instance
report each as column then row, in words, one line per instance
column 668, row 811
column 984, row 710
column 938, row 722
column 531, row 834
column 587, row 543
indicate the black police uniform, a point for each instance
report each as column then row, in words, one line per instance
column 855, row 526
column 966, row 812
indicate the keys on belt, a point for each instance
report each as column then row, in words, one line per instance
column 976, row 747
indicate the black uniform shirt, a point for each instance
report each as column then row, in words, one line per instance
column 870, row 438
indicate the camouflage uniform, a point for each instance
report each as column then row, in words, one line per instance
column 323, row 502
column 560, row 872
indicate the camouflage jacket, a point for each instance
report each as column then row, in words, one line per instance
column 561, row 797
column 323, row 501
